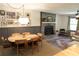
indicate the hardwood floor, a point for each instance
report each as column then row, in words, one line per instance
column 46, row 50
column 70, row 51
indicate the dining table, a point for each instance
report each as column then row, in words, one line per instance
column 23, row 37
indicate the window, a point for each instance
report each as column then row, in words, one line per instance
column 73, row 24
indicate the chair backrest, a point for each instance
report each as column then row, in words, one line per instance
column 40, row 35
column 15, row 34
column 26, row 33
column 20, row 41
column 62, row 30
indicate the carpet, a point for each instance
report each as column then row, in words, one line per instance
column 59, row 41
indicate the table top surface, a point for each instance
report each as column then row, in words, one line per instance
column 21, row 37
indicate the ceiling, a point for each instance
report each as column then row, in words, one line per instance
column 69, row 9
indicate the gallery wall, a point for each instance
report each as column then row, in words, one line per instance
column 34, row 15
column 33, row 27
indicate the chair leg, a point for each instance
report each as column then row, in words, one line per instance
column 38, row 48
column 2, row 50
column 41, row 44
column 26, row 45
column 32, row 47
column 17, row 50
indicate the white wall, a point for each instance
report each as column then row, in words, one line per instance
column 34, row 15
column 35, row 18
column 61, row 22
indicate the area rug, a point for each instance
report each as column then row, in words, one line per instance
column 59, row 41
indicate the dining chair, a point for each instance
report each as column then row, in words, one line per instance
column 34, row 45
column 18, row 43
column 41, row 37
column 4, row 44
column 26, row 33
column 15, row 34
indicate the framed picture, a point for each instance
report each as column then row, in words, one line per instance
column 11, row 15
column 10, row 22
column 2, row 12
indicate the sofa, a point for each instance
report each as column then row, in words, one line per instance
column 75, row 35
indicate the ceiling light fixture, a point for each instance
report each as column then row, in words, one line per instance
column 23, row 19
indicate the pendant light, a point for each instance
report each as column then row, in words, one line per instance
column 23, row 19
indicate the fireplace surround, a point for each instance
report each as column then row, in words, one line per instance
column 48, row 28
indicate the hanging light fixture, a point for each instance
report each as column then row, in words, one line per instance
column 23, row 19
column 77, row 15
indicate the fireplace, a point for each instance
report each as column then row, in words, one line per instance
column 48, row 28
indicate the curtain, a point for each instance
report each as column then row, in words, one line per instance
column 78, row 25
column 68, row 26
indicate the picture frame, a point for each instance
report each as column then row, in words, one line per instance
column 10, row 22
column 11, row 15
column 2, row 12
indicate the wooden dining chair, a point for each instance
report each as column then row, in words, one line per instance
column 4, row 45
column 34, row 45
column 26, row 33
column 15, row 34
column 18, row 43
column 41, row 37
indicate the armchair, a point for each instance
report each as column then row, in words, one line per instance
column 61, row 32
